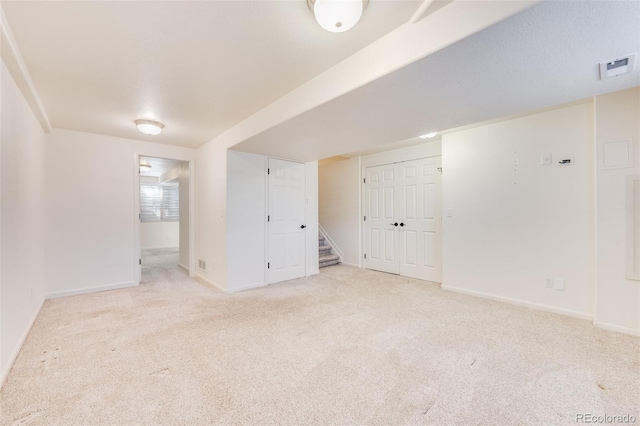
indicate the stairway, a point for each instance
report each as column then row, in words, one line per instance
column 327, row 258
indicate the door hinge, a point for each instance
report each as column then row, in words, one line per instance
column 268, row 171
column 268, row 218
column 139, row 261
column 139, row 215
column 364, row 180
column 268, row 265
column 365, row 255
column 365, row 218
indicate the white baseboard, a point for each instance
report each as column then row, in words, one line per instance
column 208, row 282
column 617, row 328
column 75, row 292
column 519, row 302
column 246, row 287
column 183, row 267
column 353, row 265
column 16, row 350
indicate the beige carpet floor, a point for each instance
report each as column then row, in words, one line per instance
column 348, row 346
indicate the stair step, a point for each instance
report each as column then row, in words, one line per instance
column 328, row 260
column 325, row 250
column 329, row 263
column 329, row 257
column 326, row 257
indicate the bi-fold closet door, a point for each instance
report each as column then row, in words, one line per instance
column 402, row 221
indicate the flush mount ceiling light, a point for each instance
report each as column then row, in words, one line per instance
column 149, row 127
column 337, row 16
column 428, row 135
column 144, row 167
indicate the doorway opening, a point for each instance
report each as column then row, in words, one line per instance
column 164, row 236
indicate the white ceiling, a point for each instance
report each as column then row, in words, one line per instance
column 547, row 55
column 197, row 66
column 159, row 166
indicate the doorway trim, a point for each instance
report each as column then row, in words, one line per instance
column 137, row 251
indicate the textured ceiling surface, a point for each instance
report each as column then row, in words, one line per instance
column 547, row 55
column 197, row 66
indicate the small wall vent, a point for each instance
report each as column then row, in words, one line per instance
column 202, row 264
column 618, row 66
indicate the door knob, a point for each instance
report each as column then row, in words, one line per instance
column 302, row 226
column 394, row 224
column 401, row 224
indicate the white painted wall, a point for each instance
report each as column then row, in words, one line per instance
column 618, row 298
column 184, row 182
column 90, row 204
column 22, row 209
column 155, row 235
column 91, row 209
column 211, row 196
column 246, row 210
column 516, row 221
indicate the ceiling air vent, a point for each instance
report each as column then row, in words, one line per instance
column 617, row 66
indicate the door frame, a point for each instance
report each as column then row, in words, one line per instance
column 363, row 169
column 137, row 251
column 266, row 214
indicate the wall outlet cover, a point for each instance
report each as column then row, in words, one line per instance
column 559, row 284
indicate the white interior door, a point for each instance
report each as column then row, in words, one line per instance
column 420, row 231
column 403, row 219
column 286, row 226
column 381, row 234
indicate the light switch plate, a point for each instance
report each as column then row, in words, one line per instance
column 559, row 284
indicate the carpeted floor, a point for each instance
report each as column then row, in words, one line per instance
column 347, row 346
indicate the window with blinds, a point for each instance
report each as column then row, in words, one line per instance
column 159, row 203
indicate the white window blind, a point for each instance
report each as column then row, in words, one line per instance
column 159, row 203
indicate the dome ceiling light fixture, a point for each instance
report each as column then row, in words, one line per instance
column 149, row 127
column 144, row 167
column 337, row 16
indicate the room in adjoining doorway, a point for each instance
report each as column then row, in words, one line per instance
column 164, row 217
